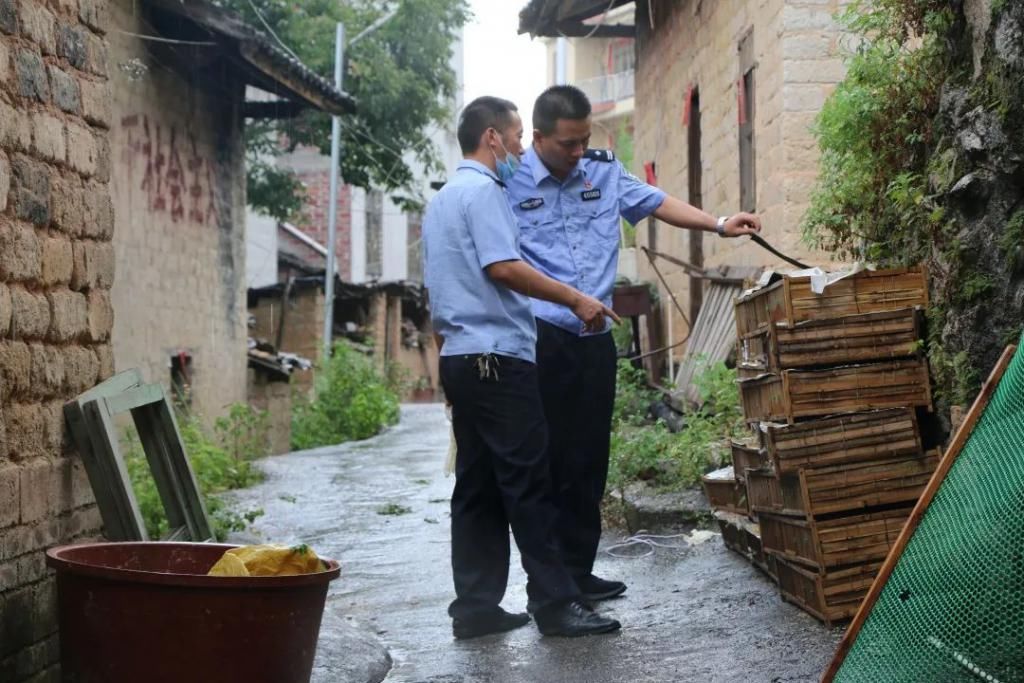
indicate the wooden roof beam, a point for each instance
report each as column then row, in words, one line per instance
column 577, row 29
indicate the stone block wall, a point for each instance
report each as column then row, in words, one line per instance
column 56, row 272
column 796, row 49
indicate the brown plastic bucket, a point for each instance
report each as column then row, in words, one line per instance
column 133, row 612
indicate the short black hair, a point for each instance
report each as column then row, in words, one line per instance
column 479, row 115
column 559, row 102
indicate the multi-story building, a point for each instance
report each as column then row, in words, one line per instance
column 603, row 68
column 376, row 241
column 378, row 259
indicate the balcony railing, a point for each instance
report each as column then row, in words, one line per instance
column 610, row 88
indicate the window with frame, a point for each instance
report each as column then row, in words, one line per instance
column 622, row 56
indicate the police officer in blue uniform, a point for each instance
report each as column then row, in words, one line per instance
column 568, row 201
column 478, row 286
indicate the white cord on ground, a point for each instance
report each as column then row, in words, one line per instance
column 649, row 541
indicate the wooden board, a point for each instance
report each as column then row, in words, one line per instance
column 850, row 340
column 790, row 300
column 950, row 456
column 845, row 439
column 172, row 473
column 832, row 596
column 825, row 544
column 91, row 421
column 104, row 466
column 796, row 394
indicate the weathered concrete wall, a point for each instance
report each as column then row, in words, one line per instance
column 303, row 326
column 56, row 270
column 178, row 185
column 796, row 46
column 275, row 398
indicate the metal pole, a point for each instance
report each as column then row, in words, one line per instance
column 332, row 221
column 671, row 342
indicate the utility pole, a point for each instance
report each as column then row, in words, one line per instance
column 332, row 219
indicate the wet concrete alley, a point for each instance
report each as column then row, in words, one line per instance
column 381, row 508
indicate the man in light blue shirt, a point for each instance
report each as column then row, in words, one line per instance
column 479, row 290
column 568, row 201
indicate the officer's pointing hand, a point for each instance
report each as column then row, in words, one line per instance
column 592, row 312
column 742, row 224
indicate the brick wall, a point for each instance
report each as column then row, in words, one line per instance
column 179, row 191
column 56, row 271
column 316, row 216
column 796, row 50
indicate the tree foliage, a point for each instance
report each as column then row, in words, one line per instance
column 921, row 163
column 641, row 451
column 876, row 136
column 353, row 401
column 399, row 75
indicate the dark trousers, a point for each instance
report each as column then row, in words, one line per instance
column 577, row 386
column 501, row 481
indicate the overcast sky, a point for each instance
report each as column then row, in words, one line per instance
column 499, row 61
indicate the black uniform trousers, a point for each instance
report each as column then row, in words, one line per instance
column 501, row 481
column 577, row 386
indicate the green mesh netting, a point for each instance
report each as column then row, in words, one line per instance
column 953, row 609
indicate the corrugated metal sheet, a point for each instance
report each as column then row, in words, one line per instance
column 713, row 336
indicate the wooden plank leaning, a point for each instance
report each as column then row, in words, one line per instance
column 161, row 441
column 91, row 418
column 105, row 468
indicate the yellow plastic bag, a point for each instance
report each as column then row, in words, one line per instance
column 267, row 560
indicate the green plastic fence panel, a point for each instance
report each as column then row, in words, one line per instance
column 953, row 608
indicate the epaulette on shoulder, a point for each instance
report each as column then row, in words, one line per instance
column 599, row 155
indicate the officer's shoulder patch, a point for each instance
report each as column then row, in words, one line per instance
column 599, row 155
column 532, row 203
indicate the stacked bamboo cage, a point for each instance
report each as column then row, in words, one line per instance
column 832, row 385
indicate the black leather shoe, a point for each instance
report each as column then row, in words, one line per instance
column 573, row 620
column 593, row 588
column 496, row 622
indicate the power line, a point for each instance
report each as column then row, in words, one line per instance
column 599, row 24
column 280, row 42
column 161, row 39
